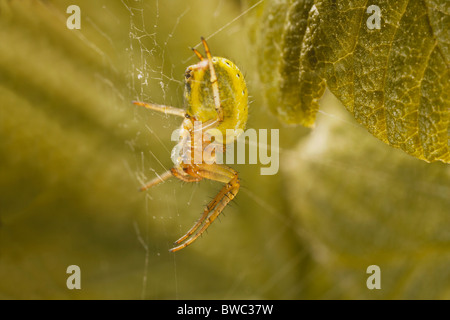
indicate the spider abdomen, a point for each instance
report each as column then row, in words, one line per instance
column 233, row 95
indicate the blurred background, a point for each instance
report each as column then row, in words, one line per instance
column 74, row 150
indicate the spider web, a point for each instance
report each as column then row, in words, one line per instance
column 159, row 37
column 153, row 74
column 148, row 68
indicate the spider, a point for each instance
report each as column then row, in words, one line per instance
column 216, row 96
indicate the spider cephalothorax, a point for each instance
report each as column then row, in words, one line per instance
column 216, row 99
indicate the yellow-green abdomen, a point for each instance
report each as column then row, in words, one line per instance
column 232, row 93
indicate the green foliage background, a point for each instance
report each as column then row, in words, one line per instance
column 73, row 151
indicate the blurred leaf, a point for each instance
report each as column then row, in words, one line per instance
column 394, row 80
column 374, row 207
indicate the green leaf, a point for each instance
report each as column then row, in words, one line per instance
column 394, row 80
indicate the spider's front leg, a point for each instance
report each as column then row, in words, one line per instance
column 219, row 173
column 162, row 108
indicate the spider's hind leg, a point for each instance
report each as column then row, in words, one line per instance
column 219, row 173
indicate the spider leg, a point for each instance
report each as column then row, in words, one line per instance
column 161, row 178
column 214, row 83
column 185, row 177
column 168, row 174
column 161, row 108
column 215, row 172
column 198, row 54
column 205, row 214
